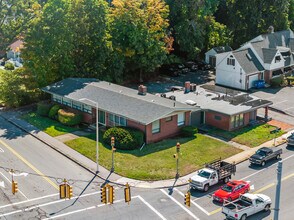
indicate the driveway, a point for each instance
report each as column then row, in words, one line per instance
column 282, row 98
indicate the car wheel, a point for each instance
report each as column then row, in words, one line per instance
column 267, row 207
column 243, row 217
column 263, row 163
column 206, row 188
column 278, row 156
column 226, row 179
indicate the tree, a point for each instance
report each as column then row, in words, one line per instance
column 248, row 19
column 189, row 20
column 15, row 17
column 291, row 14
column 139, row 31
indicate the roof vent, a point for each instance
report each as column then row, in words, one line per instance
column 270, row 29
column 163, row 95
column 142, row 90
column 248, row 56
column 190, row 102
column 172, row 97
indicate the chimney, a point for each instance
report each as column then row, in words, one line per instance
column 187, row 86
column 270, row 29
column 192, row 87
column 142, row 90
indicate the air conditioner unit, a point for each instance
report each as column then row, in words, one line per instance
column 190, row 102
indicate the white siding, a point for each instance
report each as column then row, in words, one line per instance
column 209, row 53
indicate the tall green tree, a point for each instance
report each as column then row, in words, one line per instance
column 15, row 16
column 291, row 14
column 139, row 32
column 68, row 39
column 247, row 19
column 188, row 21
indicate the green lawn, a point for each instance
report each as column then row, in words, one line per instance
column 155, row 161
column 51, row 127
column 251, row 136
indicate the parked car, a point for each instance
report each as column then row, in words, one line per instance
column 246, row 205
column 231, row 191
column 290, row 140
column 212, row 174
column 265, row 154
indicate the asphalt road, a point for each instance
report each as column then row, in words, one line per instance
column 41, row 169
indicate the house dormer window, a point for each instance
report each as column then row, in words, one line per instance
column 231, row 61
column 277, row 59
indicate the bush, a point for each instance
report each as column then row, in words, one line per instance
column 125, row 138
column 189, row 131
column 9, row 66
column 53, row 111
column 43, row 108
column 69, row 118
column 276, row 82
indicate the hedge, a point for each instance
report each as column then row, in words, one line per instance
column 69, row 118
column 277, row 81
column 189, row 131
column 9, row 66
column 54, row 111
column 43, row 108
column 125, row 138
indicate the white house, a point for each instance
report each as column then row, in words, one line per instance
column 210, row 55
column 14, row 51
column 239, row 69
column 274, row 52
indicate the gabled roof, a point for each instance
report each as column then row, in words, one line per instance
column 268, row 54
column 16, row 45
column 222, row 49
column 248, row 61
column 118, row 99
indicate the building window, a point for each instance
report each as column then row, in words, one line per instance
column 231, row 61
column 87, row 108
column 237, row 121
column 67, row 102
column 77, row 105
column 115, row 120
column 155, row 127
column 277, row 59
column 101, row 117
column 217, row 117
column 170, row 118
column 57, row 98
column 181, row 118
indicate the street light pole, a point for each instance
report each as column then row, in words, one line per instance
column 97, row 132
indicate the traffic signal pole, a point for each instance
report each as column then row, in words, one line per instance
column 177, row 157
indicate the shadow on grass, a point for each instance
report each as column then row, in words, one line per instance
column 150, row 148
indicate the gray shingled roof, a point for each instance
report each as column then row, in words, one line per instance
column 118, row 99
column 272, row 40
column 249, row 63
column 268, row 54
column 222, row 49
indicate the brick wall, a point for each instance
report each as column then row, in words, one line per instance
column 217, row 120
column 136, row 125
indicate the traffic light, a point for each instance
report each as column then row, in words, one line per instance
column 110, row 194
column 127, row 193
column 14, row 187
column 69, row 191
column 176, row 156
column 62, row 191
column 188, row 199
column 112, row 144
column 103, row 195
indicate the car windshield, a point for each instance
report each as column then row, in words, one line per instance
column 261, row 153
column 204, row 174
column 227, row 188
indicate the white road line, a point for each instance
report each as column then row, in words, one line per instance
column 266, row 168
column 11, row 184
column 45, row 204
column 198, row 206
column 30, row 200
column 152, row 208
column 183, row 207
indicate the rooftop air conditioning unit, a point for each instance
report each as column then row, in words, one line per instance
column 190, row 102
column 172, row 97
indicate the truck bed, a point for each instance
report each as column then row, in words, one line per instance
column 237, row 205
column 223, row 168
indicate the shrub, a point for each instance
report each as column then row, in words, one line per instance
column 277, row 81
column 69, row 118
column 189, row 131
column 9, row 66
column 53, row 111
column 125, row 138
column 43, row 108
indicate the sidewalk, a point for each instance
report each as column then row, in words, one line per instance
column 106, row 174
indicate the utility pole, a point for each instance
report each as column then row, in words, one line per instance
column 278, row 190
column 177, row 158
